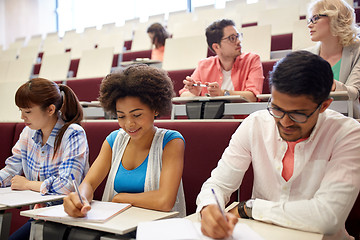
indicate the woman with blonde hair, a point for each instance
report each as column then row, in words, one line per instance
column 332, row 24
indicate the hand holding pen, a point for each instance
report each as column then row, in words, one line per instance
column 74, row 204
column 215, row 223
column 193, row 86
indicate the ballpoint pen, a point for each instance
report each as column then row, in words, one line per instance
column 217, row 202
column 76, row 188
column 222, row 212
column 199, row 85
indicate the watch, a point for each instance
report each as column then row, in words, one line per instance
column 245, row 208
column 226, row 93
column 241, row 210
column 248, row 207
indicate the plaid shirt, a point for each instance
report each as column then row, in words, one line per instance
column 38, row 162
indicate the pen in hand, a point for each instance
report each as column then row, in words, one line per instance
column 222, row 212
column 199, row 85
column 217, row 202
column 76, row 188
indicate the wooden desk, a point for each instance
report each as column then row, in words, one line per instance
column 238, row 106
column 18, row 201
column 269, row 231
column 122, row 223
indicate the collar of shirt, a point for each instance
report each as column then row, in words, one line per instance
column 37, row 136
column 235, row 65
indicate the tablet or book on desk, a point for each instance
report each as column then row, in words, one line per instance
column 182, row 228
column 100, row 212
column 13, row 198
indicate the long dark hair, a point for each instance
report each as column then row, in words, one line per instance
column 160, row 34
column 43, row 92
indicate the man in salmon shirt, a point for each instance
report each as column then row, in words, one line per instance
column 230, row 72
column 305, row 158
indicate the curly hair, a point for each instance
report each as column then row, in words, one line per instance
column 342, row 19
column 151, row 85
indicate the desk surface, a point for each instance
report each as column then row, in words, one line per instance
column 13, row 199
column 269, row 231
column 122, row 223
column 232, row 98
column 337, row 96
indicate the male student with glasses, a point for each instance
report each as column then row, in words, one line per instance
column 305, row 157
column 230, row 72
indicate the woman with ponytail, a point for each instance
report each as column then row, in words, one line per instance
column 51, row 147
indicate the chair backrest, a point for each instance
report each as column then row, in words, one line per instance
column 108, row 27
column 184, row 53
column 10, row 112
column 81, row 45
column 35, row 40
column 70, row 38
column 95, row 63
column 178, row 17
column 4, row 65
column 92, row 34
column 55, row 67
column 19, row 70
column 177, row 78
column 6, row 143
column 114, row 40
column 257, row 39
column 188, row 29
column 9, row 54
column 159, row 18
column 210, row 15
column 29, row 52
column 126, row 30
column 280, row 19
column 86, row 89
column 18, row 43
column 50, row 39
column 141, row 40
column 301, row 36
column 249, row 13
column 53, row 48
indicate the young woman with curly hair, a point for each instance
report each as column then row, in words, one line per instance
column 144, row 163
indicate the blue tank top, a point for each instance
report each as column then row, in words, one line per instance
column 133, row 181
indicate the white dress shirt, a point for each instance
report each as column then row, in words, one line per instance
column 325, row 183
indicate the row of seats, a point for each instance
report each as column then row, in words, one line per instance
column 87, row 89
column 197, row 167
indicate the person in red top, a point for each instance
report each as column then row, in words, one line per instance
column 158, row 35
column 230, row 72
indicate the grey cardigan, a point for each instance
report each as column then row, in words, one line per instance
column 152, row 178
column 349, row 78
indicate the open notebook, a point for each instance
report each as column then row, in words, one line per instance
column 185, row 229
column 100, row 212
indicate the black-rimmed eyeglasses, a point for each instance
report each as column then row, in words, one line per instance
column 316, row 18
column 234, row 37
column 294, row 116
